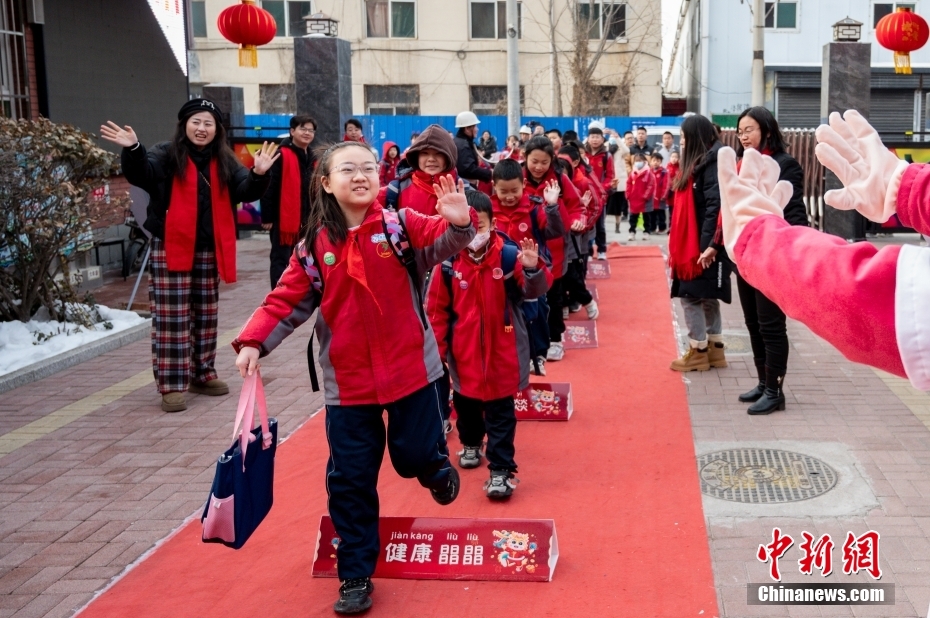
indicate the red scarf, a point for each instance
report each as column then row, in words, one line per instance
column 290, row 203
column 181, row 223
column 424, row 181
column 684, row 247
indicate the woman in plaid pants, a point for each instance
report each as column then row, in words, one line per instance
column 194, row 183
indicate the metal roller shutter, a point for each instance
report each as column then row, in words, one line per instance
column 798, row 108
column 892, row 111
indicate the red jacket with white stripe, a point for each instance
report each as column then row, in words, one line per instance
column 872, row 304
column 570, row 209
column 602, row 167
column 373, row 345
column 485, row 360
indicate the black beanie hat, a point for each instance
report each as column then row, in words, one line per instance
column 199, row 105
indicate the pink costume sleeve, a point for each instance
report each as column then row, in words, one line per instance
column 914, row 198
column 843, row 292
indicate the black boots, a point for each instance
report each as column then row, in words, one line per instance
column 756, row 392
column 773, row 398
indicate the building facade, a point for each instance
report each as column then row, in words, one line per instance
column 712, row 64
column 436, row 57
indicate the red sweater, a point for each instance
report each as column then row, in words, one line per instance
column 485, row 360
column 373, row 348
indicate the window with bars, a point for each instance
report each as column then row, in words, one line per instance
column 392, row 100
column 289, row 16
column 489, row 19
column 391, row 19
column 14, row 84
column 605, row 17
column 881, row 9
column 491, row 100
column 781, row 15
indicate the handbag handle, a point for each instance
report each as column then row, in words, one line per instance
column 253, row 392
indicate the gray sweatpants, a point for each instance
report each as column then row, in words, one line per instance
column 702, row 317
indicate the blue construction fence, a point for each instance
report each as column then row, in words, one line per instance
column 398, row 129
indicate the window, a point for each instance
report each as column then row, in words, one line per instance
column 887, row 8
column 491, row 100
column 611, row 102
column 391, row 18
column 392, row 100
column 289, row 16
column 607, row 16
column 277, row 98
column 489, row 19
column 781, row 14
column 14, row 90
column 199, row 18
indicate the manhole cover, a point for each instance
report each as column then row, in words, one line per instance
column 763, row 476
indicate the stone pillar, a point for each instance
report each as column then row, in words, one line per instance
column 231, row 102
column 323, row 74
column 846, row 84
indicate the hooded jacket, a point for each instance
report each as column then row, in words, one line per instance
column 417, row 193
column 486, row 361
column 373, row 345
column 388, row 165
column 640, row 188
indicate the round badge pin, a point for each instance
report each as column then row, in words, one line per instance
column 328, row 258
column 497, row 273
column 463, row 285
column 384, row 250
column 524, row 227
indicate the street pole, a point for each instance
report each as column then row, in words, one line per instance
column 513, row 70
column 758, row 46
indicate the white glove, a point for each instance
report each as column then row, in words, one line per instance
column 871, row 174
column 756, row 191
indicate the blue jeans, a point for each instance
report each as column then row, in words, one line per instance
column 356, row 434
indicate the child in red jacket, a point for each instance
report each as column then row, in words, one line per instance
column 390, row 157
column 662, row 184
column 377, row 350
column 431, row 155
column 640, row 190
column 521, row 217
column 673, row 169
column 474, row 305
column 573, row 282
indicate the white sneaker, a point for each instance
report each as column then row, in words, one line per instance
column 591, row 308
column 640, row 234
column 556, row 351
column 602, row 257
column 542, row 366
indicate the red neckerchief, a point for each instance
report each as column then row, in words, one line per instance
column 290, row 202
column 181, row 223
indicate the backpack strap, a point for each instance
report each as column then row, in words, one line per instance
column 307, row 259
column 509, row 254
column 396, row 234
column 394, row 189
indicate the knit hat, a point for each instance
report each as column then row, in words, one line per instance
column 437, row 138
column 596, row 124
column 200, row 105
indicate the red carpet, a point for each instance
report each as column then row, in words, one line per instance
column 619, row 479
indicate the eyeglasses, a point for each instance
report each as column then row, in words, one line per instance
column 305, row 130
column 746, row 131
column 349, row 170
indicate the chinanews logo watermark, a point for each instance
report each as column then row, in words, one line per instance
column 859, row 554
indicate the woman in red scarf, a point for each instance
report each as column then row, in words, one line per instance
column 765, row 321
column 699, row 265
column 194, row 183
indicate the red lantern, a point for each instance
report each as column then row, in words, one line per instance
column 248, row 26
column 902, row 32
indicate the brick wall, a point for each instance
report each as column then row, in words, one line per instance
column 113, row 214
column 31, row 72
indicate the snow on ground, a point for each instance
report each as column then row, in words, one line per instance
column 23, row 344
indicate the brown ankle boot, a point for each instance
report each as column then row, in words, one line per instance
column 693, row 360
column 715, row 354
column 173, row 402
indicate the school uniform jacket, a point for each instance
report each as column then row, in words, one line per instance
column 373, row 345
column 486, row 361
column 662, row 182
column 640, row 188
column 518, row 225
column 570, row 209
column 872, row 304
column 602, row 167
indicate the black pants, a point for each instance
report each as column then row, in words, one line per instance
column 280, row 255
column 658, row 216
column 573, row 283
column 600, row 233
column 356, row 434
column 768, row 332
column 634, row 220
column 498, row 422
column 555, row 299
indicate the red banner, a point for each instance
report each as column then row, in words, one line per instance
column 453, row 548
column 544, row 401
column 598, row 269
column 581, row 334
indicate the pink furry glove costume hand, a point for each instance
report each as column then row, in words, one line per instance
column 871, row 174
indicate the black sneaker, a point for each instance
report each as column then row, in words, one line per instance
column 451, row 492
column 500, row 485
column 354, row 596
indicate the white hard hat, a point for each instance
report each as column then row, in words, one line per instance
column 466, row 119
column 595, row 124
column 525, row 129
